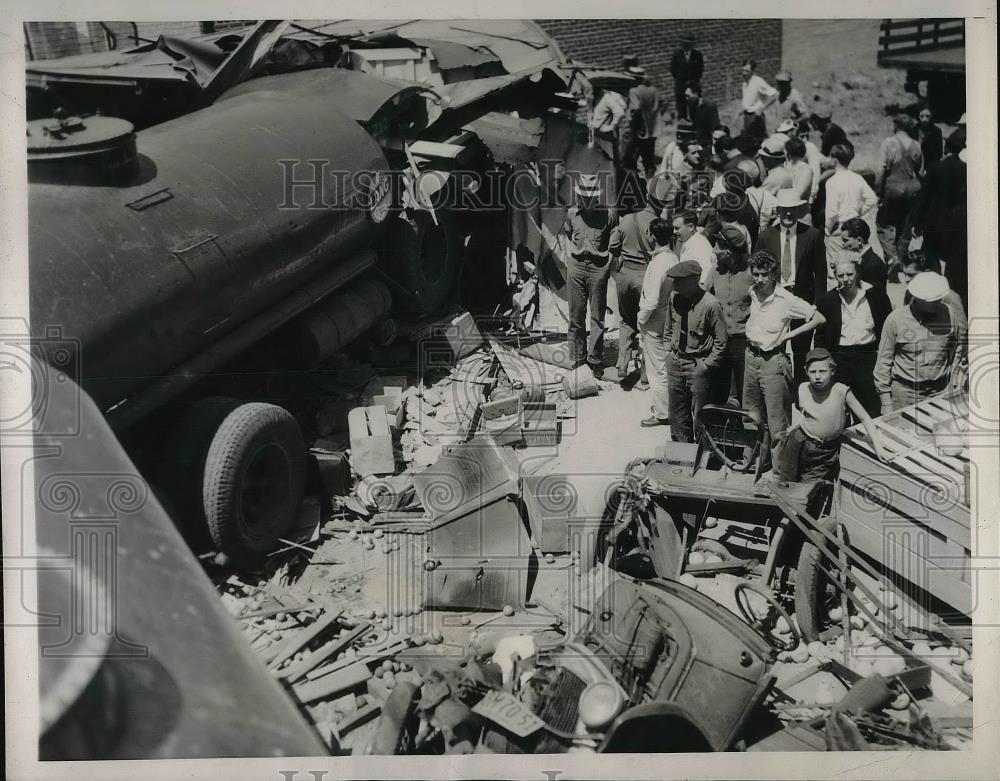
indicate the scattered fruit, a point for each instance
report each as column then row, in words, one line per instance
column 902, row 702
column 508, row 610
column 800, row 654
column 550, row 559
column 696, row 558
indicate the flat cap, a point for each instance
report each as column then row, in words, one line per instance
column 818, row 354
column 928, row 286
column 686, row 268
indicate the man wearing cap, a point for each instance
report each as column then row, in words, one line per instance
column 855, row 313
column 704, row 114
column 939, row 213
column 801, row 256
column 789, row 103
column 643, row 110
column 631, row 247
column 730, row 283
column 686, row 68
column 923, row 349
column 757, row 96
column 767, row 381
column 695, row 337
column 588, row 269
column 656, row 288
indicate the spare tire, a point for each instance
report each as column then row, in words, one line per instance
column 253, row 481
column 423, row 259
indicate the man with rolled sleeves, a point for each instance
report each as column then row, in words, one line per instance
column 695, row 336
column 767, row 378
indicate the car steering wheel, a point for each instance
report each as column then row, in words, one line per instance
column 765, row 626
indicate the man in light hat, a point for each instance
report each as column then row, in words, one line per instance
column 789, row 103
column 801, row 256
column 588, row 268
column 644, row 109
column 923, row 348
column 695, row 335
column 686, row 67
column 772, row 157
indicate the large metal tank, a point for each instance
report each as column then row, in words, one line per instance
column 200, row 236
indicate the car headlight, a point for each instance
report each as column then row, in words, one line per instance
column 600, row 702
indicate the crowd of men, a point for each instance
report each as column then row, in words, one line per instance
column 753, row 271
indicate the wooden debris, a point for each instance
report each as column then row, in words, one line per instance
column 371, row 441
column 350, row 677
column 359, row 717
column 288, row 647
column 324, row 652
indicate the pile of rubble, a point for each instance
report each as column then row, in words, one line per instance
column 395, row 638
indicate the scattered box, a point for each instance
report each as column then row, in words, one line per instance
column 371, row 441
column 463, row 335
column 539, row 426
column 580, row 383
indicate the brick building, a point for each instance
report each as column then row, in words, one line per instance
column 726, row 43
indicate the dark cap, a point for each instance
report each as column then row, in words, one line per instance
column 733, row 237
column 686, row 268
column 818, row 354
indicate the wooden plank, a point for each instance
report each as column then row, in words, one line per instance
column 331, row 685
column 371, row 441
column 324, row 652
column 359, row 717
column 289, row 646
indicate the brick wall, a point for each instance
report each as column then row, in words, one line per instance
column 725, row 43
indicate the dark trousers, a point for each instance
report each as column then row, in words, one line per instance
column 734, row 365
column 640, row 149
column 754, row 126
column 689, row 386
column 628, row 281
column 587, row 282
column 680, row 101
column 856, row 368
column 802, row 458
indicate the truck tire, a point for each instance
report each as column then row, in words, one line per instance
column 813, row 592
column 253, row 481
column 423, row 259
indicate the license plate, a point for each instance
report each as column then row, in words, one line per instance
column 509, row 712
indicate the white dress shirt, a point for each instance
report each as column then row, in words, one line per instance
column 699, row 249
column 847, row 196
column 756, row 93
column 857, row 326
column 769, row 319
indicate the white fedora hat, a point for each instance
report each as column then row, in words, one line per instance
column 788, row 199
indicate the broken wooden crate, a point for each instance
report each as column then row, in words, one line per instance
column 371, row 441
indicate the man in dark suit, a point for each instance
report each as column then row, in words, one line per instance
column 871, row 268
column 855, row 313
column 940, row 214
column 801, row 255
column 686, row 67
column 703, row 114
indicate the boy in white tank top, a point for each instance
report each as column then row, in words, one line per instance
column 811, row 448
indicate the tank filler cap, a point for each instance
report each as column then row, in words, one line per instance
column 91, row 145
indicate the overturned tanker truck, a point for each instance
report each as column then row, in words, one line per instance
column 169, row 265
column 161, row 256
